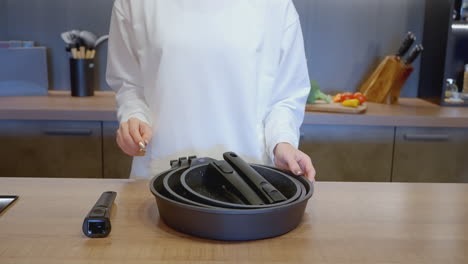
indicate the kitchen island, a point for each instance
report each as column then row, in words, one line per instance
column 344, row 223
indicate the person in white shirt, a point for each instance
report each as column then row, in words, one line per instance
column 203, row 77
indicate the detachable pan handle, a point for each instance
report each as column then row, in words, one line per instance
column 256, row 181
column 243, row 189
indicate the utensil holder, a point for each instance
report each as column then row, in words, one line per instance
column 386, row 82
column 82, row 72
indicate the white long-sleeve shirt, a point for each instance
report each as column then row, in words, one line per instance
column 209, row 76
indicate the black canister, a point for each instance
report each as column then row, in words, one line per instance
column 82, row 77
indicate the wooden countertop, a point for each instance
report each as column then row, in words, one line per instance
column 60, row 105
column 344, row 223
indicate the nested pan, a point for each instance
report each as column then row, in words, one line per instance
column 210, row 189
column 226, row 223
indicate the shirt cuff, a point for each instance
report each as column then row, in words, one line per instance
column 141, row 116
column 281, row 138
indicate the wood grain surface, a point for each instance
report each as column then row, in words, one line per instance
column 322, row 106
column 59, row 105
column 344, row 223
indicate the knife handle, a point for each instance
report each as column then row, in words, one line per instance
column 414, row 54
column 406, row 44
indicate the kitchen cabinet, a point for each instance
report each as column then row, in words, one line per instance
column 349, row 153
column 431, row 155
column 116, row 164
column 67, row 149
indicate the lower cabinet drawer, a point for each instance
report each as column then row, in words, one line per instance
column 349, row 153
column 431, row 155
column 116, row 163
column 62, row 149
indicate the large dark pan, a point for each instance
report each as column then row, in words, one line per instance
column 211, row 189
column 229, row 224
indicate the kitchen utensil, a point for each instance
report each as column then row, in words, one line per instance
column 100, row 40
column 207, row 187
column 88, row 38
column 176, row 190
column 97, row 223
column 227, row 223
column 267, row 191
column 414, row 54
column 406, row 44
column 322, row 106
column 224, row 180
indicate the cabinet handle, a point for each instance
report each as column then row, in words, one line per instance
column 68, row 132
column 426, row 137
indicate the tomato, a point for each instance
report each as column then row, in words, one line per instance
column 362, row 99
column 347, row 96
column 337, row 98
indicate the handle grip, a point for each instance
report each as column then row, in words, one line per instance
column 406, row 44
column 426, row 137
column 106, row 199
column 68, row 132
column 245, row 192
column 263, row 188
column 97, row 223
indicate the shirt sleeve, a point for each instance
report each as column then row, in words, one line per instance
column 123, row 69
column 291, row 89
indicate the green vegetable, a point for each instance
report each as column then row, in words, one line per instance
column 315, row 93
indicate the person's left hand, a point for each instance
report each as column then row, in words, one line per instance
column 289, row 158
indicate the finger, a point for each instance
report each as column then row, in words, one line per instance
column 127, row 141
column 121, row 144
column 308, row 167
column 134, row 130
column 146, row 132
column 294, row 167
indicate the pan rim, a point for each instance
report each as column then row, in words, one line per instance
column 219, row 210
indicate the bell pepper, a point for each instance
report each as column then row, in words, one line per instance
column 351, row 103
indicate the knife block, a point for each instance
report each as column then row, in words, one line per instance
column 386, row 82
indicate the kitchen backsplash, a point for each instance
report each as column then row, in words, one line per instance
column 344, row 38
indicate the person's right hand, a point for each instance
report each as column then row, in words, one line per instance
column 131, row 134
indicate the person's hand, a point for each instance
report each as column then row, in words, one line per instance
column 133, row 135
column 289, row 158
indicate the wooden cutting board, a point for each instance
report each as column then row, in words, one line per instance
column 322, row 106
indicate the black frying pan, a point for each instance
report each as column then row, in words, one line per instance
column 226, row 223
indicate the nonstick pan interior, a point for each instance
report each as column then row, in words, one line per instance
column 209, row 188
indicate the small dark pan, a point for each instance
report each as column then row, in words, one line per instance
column 175, row 190
column 210, row 189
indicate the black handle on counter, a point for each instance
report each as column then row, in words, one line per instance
column 426, row 137
column 244, row 191
column 68, row 132
column 97, row 223
column 256, row 181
